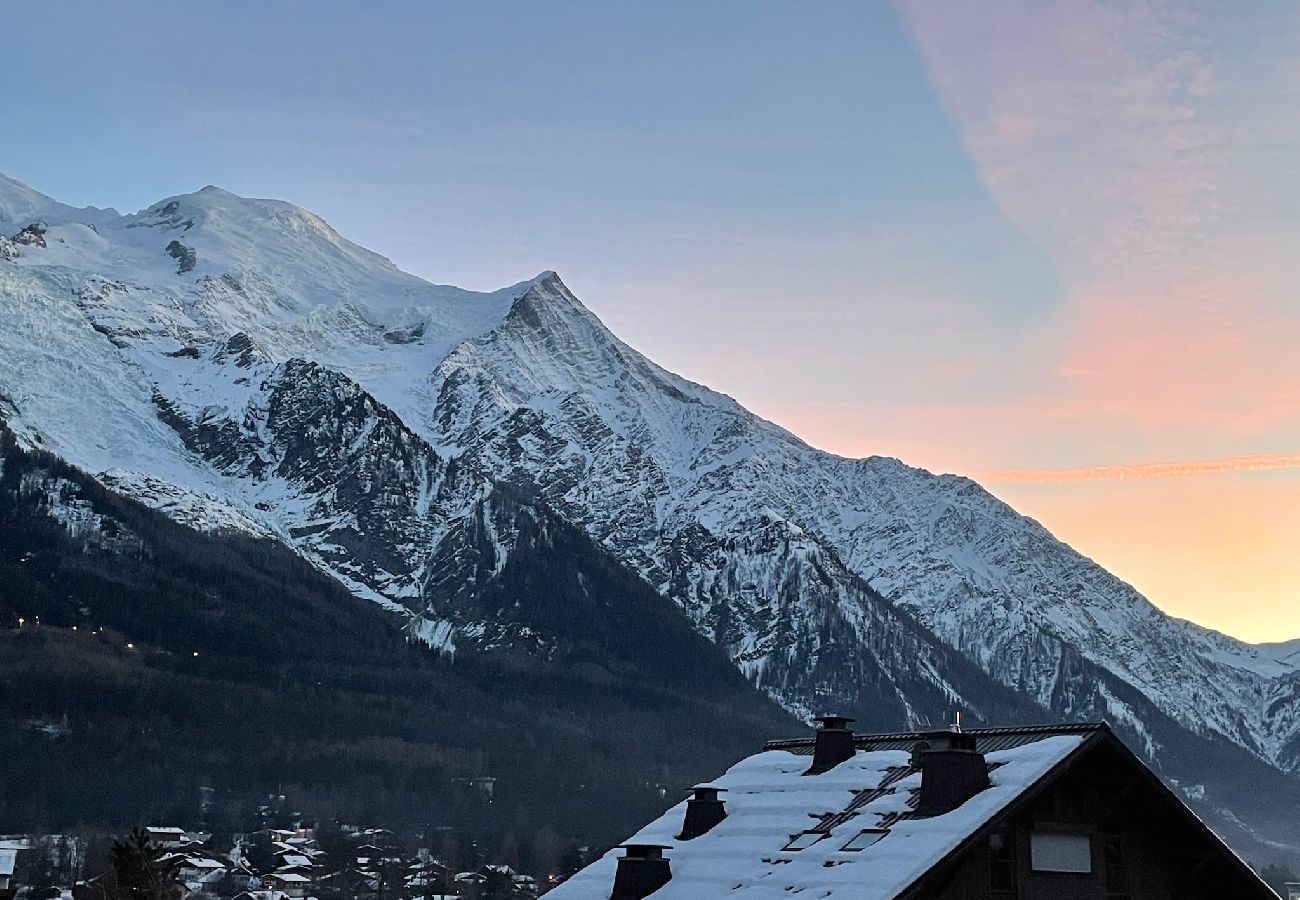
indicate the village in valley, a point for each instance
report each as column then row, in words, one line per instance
column 328, row 862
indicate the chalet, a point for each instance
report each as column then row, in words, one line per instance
column 166, row 836
column 8, row 861
column 991, row 814
column 291, row 884
column 421, row 876
column 197, row 870
column 1293, row 891
column 260, row 895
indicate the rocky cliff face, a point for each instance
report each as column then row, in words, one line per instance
column 741, row 523
column 289, row 383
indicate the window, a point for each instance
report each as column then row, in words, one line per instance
column 804, row 840
column 1001, row 865
column 865, row 838
column 1055, row 852
column 1116, row 869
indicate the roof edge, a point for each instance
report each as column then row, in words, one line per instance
column 917, row 889
column 1101, row 733
column 1003, row 731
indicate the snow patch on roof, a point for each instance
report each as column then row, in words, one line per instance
column 769, row 799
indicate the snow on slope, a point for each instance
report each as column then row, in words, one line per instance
column 173, row 347
column 263, row 268
column 647, row 460
column 20, row 206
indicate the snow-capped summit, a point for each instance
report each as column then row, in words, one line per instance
column 21, row 206
column 305, row 259
column 240, row 364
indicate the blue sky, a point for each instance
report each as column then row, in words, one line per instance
column 473, row 144
column 1032, row 241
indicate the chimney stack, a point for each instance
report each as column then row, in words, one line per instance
column 952, row 771
column 834, row 744
column 642, row 870
column 704, row 810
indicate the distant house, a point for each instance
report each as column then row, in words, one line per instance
column 291, row 884
column 8, row 862
column 199, row 871
column 993, row 814
column 166, row 836
column 383, row 837
column 422, row 876
column 260, row 895
column 93, row 888
column 1293, row 891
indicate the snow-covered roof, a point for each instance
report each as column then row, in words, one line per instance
column 292, row 877
column 262, row 895
column 202, row 862
column 7, row 857
column 769, row 799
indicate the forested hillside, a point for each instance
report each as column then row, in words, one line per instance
column 141, row 661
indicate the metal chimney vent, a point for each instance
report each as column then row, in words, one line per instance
column 704, row 810
column 642, row 870
column 834, row 744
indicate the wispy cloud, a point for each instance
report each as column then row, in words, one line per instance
column 1260, row 462
column 1141, row 148
column 1147, row 148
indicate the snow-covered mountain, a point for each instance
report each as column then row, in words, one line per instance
column 237, row 363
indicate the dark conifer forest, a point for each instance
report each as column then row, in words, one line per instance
column 149, row 673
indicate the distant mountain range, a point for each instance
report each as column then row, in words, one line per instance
column 239, row 366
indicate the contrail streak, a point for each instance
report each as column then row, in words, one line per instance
column 1257, row 463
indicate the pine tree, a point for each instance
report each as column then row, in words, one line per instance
column 140, row 873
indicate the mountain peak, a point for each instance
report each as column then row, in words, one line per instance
column 547, row 289
column 547, row 306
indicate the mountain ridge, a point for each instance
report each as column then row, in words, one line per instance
column 188, row 390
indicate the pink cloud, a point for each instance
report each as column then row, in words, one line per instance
column 1132, row 154
column 1260, row 462
column 1152, row 164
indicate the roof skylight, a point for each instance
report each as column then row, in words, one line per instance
column 804, row 840
column 865, row 838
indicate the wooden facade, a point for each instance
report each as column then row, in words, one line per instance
column 1103, row 828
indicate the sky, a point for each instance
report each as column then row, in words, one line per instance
column 1050, row 245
